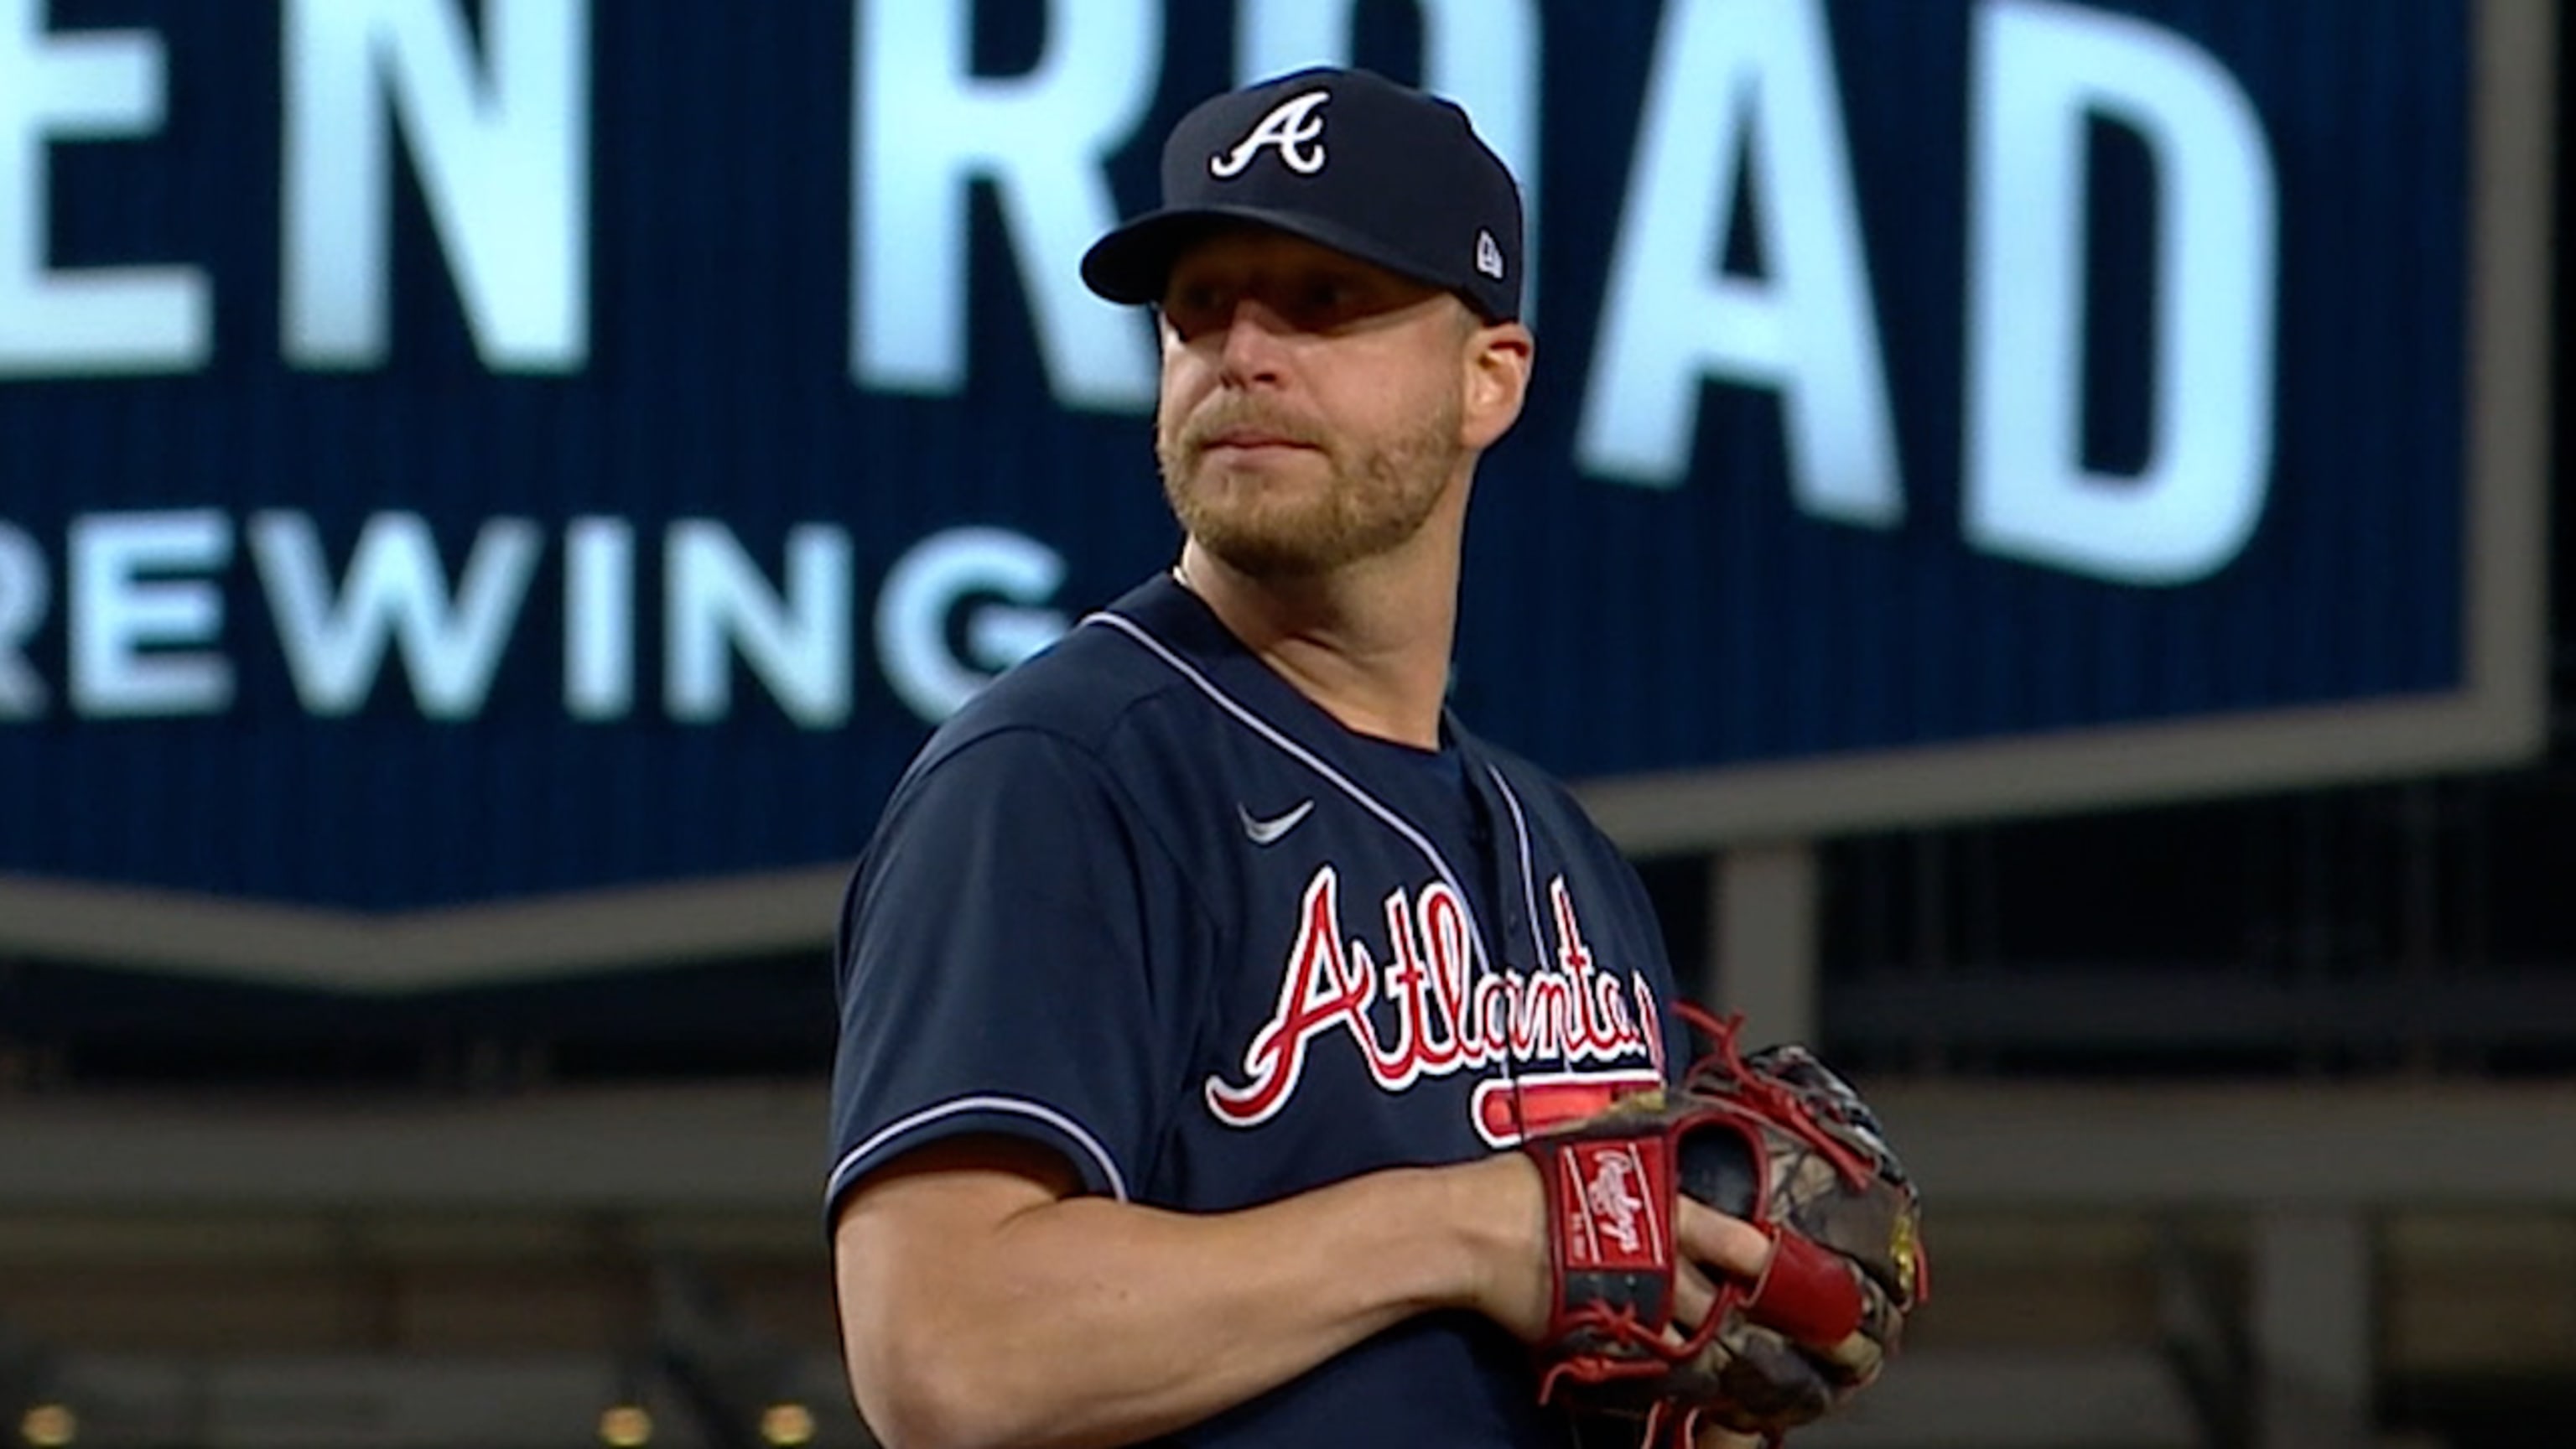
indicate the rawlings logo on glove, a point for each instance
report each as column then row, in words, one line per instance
column 1616, row 1198
column 1779, row 1141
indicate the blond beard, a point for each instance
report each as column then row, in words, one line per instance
column 1374, row 500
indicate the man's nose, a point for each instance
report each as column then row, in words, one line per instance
column 1250, row 346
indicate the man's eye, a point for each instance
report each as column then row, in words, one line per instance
column 1192, row 310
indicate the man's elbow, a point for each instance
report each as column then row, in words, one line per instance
column 924, row 1395
column 920, row 1278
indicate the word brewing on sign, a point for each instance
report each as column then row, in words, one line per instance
column 1743, row 100
column 144, row 632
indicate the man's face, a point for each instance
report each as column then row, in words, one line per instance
column 1311, row 402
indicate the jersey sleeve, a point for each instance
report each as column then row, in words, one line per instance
column 1010, row 962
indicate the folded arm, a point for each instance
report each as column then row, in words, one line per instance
column 983, row 1303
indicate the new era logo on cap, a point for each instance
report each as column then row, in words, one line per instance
column 1343, row 158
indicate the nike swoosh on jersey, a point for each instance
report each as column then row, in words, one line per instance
column 1267, row 832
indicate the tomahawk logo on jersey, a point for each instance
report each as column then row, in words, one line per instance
column 1144, row 903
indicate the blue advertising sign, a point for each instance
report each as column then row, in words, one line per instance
column 490, row 481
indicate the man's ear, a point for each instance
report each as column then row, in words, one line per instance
column 1497, row 375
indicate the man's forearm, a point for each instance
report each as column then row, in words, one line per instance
column 1084, row 1322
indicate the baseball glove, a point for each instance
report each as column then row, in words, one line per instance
column 1773, row 1138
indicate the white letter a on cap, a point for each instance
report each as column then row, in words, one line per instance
column 1293, row 127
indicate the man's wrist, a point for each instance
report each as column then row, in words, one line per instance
column 1496, row 1211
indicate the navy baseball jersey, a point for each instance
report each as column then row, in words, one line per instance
column 1144, row 903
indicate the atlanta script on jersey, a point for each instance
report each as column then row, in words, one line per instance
column 1144, row 903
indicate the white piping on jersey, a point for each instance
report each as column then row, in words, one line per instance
column 1520, row 835
column 1243, row 714
column 1529, row 900
column 1019, row 1106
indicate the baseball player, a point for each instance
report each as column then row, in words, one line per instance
column 1199, row 968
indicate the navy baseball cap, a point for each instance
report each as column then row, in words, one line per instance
column 1344, row 158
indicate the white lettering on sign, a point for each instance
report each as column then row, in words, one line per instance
column 395, row 595
column 927, row 587
column 145, row 632
column 599, row 618
column 26, row 588
column 1748, row 80
column 100, row 85
column 1742, row 100
column 502, row 149
column 141, row 591
column 926, row 128
column 2042, row 71
column 719, row 606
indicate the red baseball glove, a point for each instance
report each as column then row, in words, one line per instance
column 1773, row 1138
